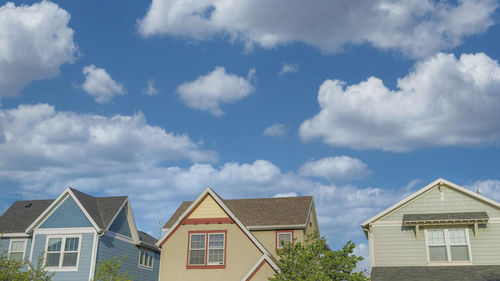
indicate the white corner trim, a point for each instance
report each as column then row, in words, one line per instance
column 254, row 267
column 93, row 259
column 132, row 224
column 14, row 235
column 65, row 231
column 32, row 246
column 423, row 190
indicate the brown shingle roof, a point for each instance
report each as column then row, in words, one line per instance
column 262, row 211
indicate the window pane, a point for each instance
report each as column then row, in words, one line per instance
column 17, row 246
column 141, row 260
column 198, row 241
column 216, row 256
column 151, row 260
column 216, row 240
column 71, row 244
column 457, row 237
column 437, row 253
column 70, row 259
column 284, row 238
column 459, row 253
column 435, row 236
column 16, row 256
column 197, row 257
column 54, row 245
column 53, row 259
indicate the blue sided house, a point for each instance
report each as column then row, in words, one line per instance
column 76, row 231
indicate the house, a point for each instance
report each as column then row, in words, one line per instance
column 216, row 239
column 441, row 232
column 76, row 231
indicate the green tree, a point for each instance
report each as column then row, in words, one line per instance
column 109, row 270
column 313, row 261
column 13, row 270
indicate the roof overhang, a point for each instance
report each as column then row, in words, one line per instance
column 445, row 218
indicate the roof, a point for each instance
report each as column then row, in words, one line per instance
column 426, row 188
column 19, row 217
column 445, row 217
column 147, row 239
column 262, row 211
column 436, row 273
column 21, row 214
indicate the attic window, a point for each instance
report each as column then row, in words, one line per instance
column 283, row 238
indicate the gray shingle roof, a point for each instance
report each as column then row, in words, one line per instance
column 437, row 273
column 19, row 216
column 147, row 239
column 445, row 217
column 262, row 211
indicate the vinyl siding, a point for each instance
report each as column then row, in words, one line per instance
column 5, row 242
column 394, row 245
column 68, row 214
column 110, row 247
column 4, row 245
column 120, row 225
column 208, row 208
column 84, row 263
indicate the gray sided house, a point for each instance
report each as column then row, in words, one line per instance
column 76, row 231
column 441, row 232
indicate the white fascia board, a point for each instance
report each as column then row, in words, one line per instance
column 116, row 215
column 14, row 235
column 131, row 222
column 425, row 189
column 63, row 231
column 84, row 211
column 271, row 227
column 49, row 209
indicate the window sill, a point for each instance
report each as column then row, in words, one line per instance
column 205, row 266
column 145, row 267
column 62, row 269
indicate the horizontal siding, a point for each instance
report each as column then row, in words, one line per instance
column 83, row 265
column 486, row 248
column 397, row 246
column 120, row 225
column 4, row 245
column 68, row 214
column 110, row 247
column 430, row 202
column 208, row 208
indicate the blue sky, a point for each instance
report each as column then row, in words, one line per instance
column 356, row 104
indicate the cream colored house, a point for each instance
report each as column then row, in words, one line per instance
column 215, row 239
column 441, row 232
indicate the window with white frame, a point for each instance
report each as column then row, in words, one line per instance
column 283, row 238
column 17, row 249
column 62, row 252
column 448, row 245
column 146, row 259
column 207, row 249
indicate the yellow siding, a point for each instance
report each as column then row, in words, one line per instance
column 208, row 208
column 264, row 273
column 241, row 256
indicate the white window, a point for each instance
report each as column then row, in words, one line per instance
column 146, row 259
column 17, row 249
column 283, row 238
column 448, row 245
column 62, row 252
column 207, row 249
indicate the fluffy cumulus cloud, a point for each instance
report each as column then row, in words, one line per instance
column 339, row 167
column 276, row 130
column 443, row 101
column 218, row 87
column 150, row 89
column 490, row 188
column 35, row 41
column 415, row 28
column 99, row 84
column 289, row 68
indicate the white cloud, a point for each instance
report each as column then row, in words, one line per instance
column 150, row 89
column 35, row 41
column 289, row 68
column 99, row 84
column 287, row 194
column 218, row 87
column 276, row 130
column 415, row 28
column 443, row 101
column 490, row 188
column 339, row 167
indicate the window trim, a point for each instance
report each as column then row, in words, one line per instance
column 146, row 266
column 17, row 240
column 206, row 265
column 447, row 245
column 278, row 246
column 61, row 257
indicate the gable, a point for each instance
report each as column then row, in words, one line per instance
column 67, row 214
column 442, row 199
column 207, row 208
column 120, row 225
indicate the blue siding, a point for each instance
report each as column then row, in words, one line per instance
column 68, row 214
column 120, row 225
column 28, row 248
column 110, row 247
column 82, row 274
column 5, row 242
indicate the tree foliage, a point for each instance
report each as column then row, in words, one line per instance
column 12, row 270
column 313, row 261
column 109, row 270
